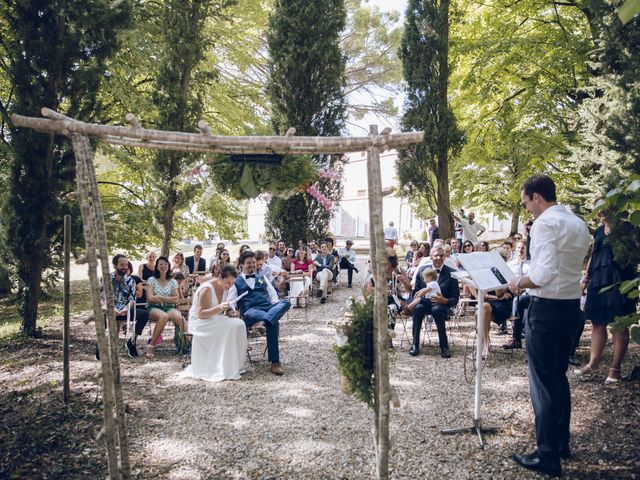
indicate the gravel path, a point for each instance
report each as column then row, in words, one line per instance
column 299, row 426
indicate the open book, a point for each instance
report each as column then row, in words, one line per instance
column 487, row 270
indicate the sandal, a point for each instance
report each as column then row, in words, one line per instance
column 151, row 351
column 610, row 380
column 585, row 371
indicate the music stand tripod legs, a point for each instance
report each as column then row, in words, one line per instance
column 476, row 426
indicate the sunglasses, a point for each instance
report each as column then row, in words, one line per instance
column 225, row 253
column 272, row 249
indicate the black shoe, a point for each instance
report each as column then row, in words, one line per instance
column 349, row 286
column 534, row 462
column 319, row 293
column 323, row 300
column 565, row 453
column 512, row 345
column 445, row 353
column 414, row 351
column 502, row 330
column 573, row 360
column 132, row 350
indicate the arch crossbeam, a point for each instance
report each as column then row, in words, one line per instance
column 136, row 136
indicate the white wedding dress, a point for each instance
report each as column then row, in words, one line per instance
column 219, row 345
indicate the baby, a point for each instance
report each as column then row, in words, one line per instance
column 431, row 290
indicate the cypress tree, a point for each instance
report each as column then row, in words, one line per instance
column 56, row 54
column 306, row 89
column 179, row 95
column 423, row 169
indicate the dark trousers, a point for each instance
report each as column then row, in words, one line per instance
column 438, row 312
column 142, row 317
column 522, row 304
column 551, row 328
column 350, row 267
column 578, row 335
column 271, row 316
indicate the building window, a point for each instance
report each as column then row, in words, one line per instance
column 361, row 193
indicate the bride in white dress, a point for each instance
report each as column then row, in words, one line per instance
column 219, row 344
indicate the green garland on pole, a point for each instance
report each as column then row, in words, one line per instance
column 246, row 180
column 355, row 359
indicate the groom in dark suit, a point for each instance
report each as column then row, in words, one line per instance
column 438, row 307
column 260, row 306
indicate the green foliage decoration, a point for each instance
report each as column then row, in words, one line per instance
column 624, row 202
column 244, row 181
column 355, row 358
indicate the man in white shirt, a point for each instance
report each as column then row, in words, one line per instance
column 348, row 261
column 259, row 305
column 273, row 259
column 391, row 235
column 559, row 244
column 519, row 265
column 471, row 230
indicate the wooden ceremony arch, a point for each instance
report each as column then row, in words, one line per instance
column 134, row 135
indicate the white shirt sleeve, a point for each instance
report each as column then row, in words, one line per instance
column 232, row 295
column 273, row 295
column 546, row 262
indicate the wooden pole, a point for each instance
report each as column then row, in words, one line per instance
column 101, row 231
column 66, row 293
column 380, row 323
column 108, row 395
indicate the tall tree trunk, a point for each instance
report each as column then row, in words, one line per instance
column 168, row 212
column 445, row 218
column 515, row 219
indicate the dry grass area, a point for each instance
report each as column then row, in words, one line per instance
column 299, row 425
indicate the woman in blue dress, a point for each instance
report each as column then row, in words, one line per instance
column 602, row 307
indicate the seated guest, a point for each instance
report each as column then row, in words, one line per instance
column 508, row 247
column 520, row 267
column 425, row 260
column 179, row 266
column 438, row 307
column 483, row 246
column 219, row 343
column 142, row 315
column 282, row 248
column 302, row 244
column 287, row 258
column 468, row 247
column 336, row 257
column 243, row 248
column 413, row 248
column 450, row 259
column 313, row 247
column 220, row 262
column 396, row 280
column 324, row 268
column 262, row 267
column 162, row 296
column 348, row 261
column 455, row 246
column 261, row 306
column 195, row 262
column 146, row 269
column 273, row 259
column 301, row 265
column 497, row 309
column 219, row 248
column 124, row 298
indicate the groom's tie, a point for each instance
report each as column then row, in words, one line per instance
column 253, row 275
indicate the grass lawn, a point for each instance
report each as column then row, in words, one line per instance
column 49, row 312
